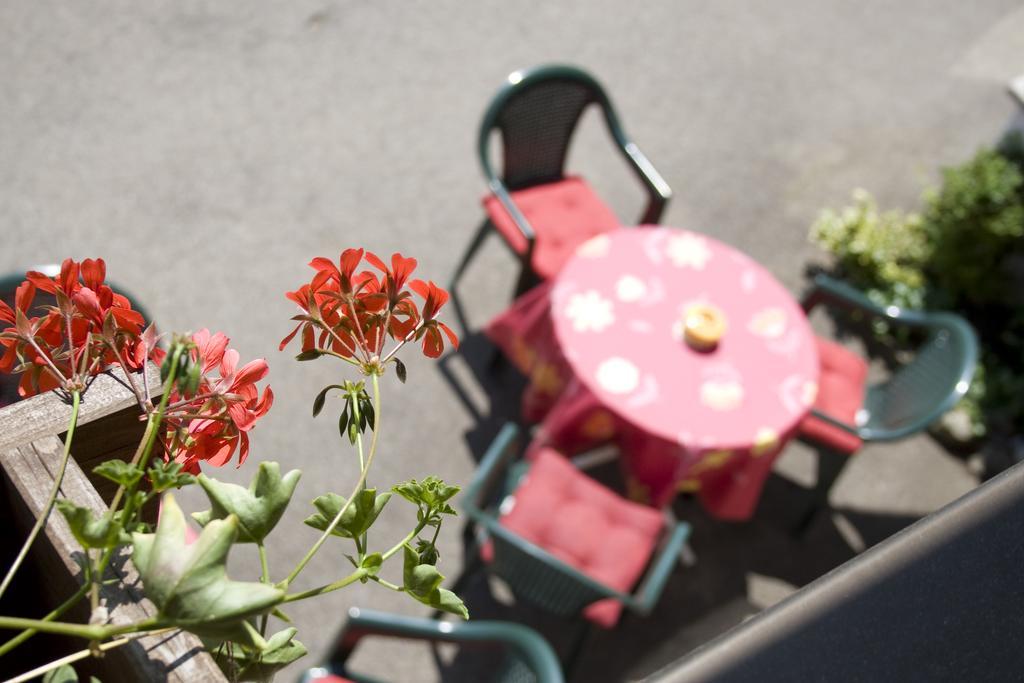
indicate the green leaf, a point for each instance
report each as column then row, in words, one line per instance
column 372, row 563
column 366, row 409
column 189, row 583
column 359, row 516
column 343, row 422
column 258, row 508
column 88, row 530
column 423, row 583
column 431, row 492
column 311, row 354
column 260, row 664
column 119, row 472
column 321, row 398
column 62, row 674
column 168, row 475
column 427, row 551
column 419, row 579
column 400, row 370
column 189, row 384
column 447, row 601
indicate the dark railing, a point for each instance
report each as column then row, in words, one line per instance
column 941, row 600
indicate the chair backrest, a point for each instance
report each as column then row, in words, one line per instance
column 506, row 652
column 536, row 112
column 533, row 574
column 932, row 383
column 537, row 577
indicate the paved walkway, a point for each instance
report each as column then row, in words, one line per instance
column 208, row 150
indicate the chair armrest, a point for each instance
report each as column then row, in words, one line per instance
column 497, row 188
column 835, row 292
column 658, row 190
column 489, row 470
column 654, row 583
column 824, row 417
column 526, row 642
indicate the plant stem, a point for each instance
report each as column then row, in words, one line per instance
column 60, row 609
column 140, row 459
column 81, row 654
column 145, row 448
column 329, row 352
column 341, row 583
column 264, row 578
column 93, row 633
column 358, row 487
column 76, row 401
column 398, row 546
column 387, row 584
column 139, row 396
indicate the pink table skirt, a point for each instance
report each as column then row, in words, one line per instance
column 572, row 419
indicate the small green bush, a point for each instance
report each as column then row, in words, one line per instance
column 965, row 253
column 882, row 253
column 974, row 224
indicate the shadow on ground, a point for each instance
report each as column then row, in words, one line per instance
column 741, row 567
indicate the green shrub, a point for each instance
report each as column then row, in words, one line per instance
column 966, row 253
column 974, row 223
column 882, row 253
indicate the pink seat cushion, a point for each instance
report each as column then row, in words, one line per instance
column 840, row 396
column 563, row 214
column 585, row 525
column 328, row 678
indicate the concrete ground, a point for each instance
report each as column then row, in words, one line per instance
column 208, row 150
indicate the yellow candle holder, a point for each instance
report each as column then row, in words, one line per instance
column 703, row 326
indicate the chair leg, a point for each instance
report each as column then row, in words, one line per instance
column 474, row 246
column 527, row 280
column 830, row 465
column 572, row 657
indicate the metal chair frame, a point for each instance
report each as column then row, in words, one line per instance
column 941, row 372
column 534, row 657
column 517, row 175
column 534, row 574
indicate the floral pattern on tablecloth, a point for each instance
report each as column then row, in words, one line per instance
column 608, row 335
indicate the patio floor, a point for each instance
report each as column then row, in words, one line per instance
column 208, row 150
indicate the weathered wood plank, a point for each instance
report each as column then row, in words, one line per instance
column 30, row 470
column 30, row 451
column 46, row 414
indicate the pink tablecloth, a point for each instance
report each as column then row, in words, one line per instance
column 602, row 346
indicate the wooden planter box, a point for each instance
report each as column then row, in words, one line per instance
column 30, row 448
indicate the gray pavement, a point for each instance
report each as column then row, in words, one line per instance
column 208, row 150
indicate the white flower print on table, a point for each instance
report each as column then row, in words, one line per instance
column 630, row 288
column 798, row 394
column 618, row 376
column 595, row 247
column 589, row 311
column 688, row 251
column 769, row 323
column 721, row 394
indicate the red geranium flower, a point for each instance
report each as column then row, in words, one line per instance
column 430, row 329
column 211, row 425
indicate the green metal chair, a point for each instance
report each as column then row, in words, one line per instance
column 849, row 410
column 540, row 212
column 523, row 656
column 533, row 573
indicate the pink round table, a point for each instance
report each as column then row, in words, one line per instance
column 700, row 420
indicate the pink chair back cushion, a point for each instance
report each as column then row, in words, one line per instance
column 563, row 214
column 585, row 525
column 840, row 395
